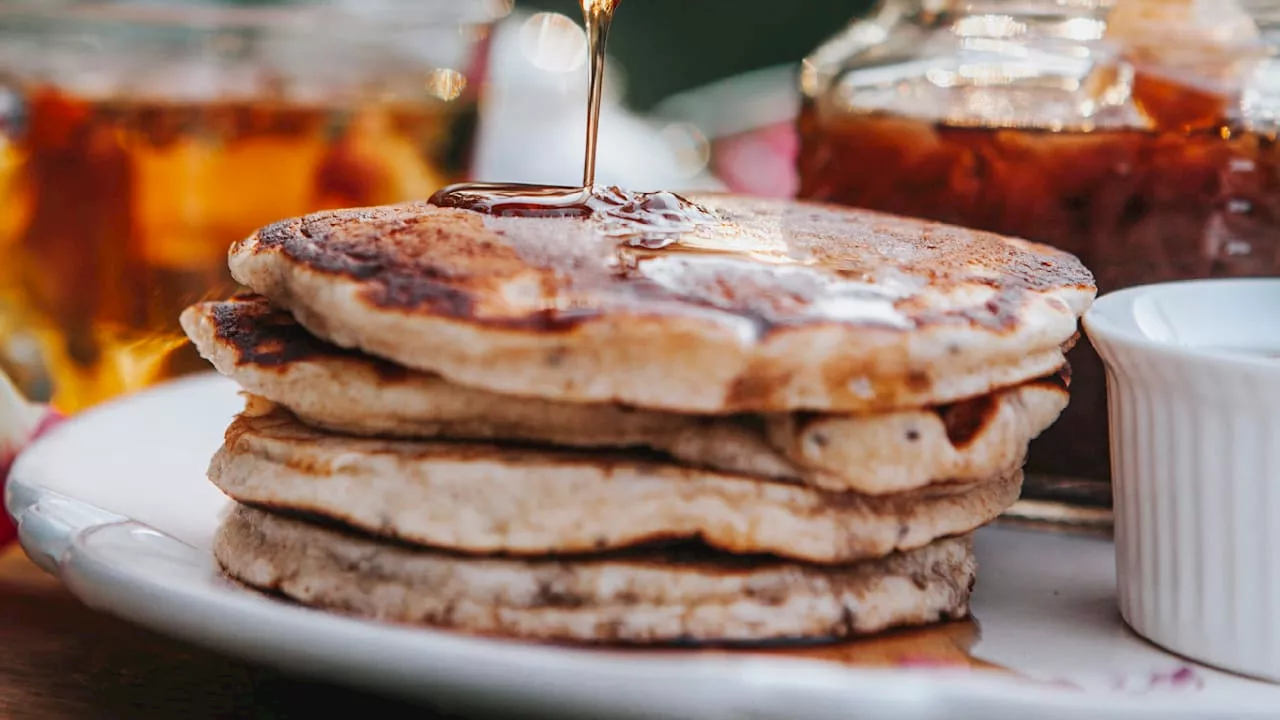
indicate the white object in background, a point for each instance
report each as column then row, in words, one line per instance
column 748, row 126
column 535, row 117
column 115, row 501
column 1193, row 381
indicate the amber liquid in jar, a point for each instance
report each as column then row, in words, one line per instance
column 118, row 212
column 1135, row 205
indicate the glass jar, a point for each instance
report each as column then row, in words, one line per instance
column 1030, row 118
column 139, row 139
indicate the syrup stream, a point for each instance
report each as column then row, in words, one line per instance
column 598, row 15
column 515, row 199
column 652, row 219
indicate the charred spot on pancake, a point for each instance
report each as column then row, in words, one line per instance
column 416, row 290
column 804, row 420
column 913, row 435
column 919, row 381
column 275, row 235
column 266, row 337
column 753, row 389
column 413, row 291
column 419, row 258
column 966, row 420
column 260, row 334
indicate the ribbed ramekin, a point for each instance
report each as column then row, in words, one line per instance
column 1193, row 386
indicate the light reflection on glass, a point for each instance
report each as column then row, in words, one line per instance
column 553, row 42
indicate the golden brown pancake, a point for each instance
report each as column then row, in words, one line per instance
column 779, row 306
column 483, row 498
column 653, row 596
column 270, row 355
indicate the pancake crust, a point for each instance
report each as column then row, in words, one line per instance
column 641, row 598
column 269, row 354
column 481, row 498
column 783, row 306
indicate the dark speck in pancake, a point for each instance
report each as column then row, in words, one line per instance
column 966, row 420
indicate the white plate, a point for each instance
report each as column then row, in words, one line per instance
column 115, row 502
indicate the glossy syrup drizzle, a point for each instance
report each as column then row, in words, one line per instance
column 599, row 16
column 650, row 220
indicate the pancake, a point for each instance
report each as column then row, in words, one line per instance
column 481, row 498
column 780, row 306
column 266, row 352
column 655, row 596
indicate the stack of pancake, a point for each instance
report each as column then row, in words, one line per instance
column 784, row 425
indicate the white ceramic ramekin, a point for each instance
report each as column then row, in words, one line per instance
column 1195, row 454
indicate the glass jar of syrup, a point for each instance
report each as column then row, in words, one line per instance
column 1139, row 135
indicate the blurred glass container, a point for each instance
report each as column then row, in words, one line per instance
column 1140, row 137
column 139, row 139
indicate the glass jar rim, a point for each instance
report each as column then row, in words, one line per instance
column 294, row 15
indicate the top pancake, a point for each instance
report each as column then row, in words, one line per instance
column 782, row 306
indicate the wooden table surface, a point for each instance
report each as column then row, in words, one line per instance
column 59, row 659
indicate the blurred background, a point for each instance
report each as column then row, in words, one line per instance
column 669, row 46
